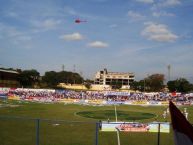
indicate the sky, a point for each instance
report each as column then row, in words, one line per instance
column 139, row 36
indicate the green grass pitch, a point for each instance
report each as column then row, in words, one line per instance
column 56, row 131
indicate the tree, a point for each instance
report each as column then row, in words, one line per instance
column 138, row 85
column 52, row 78
column 88, row 83
column 180, row 85
column 28, row 78
column 116, row 84
column 134, row 85
column 77, row 78
column 184, row 85
column 154, row 82
column 172, row 86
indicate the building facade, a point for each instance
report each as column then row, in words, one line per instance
column 112, row 78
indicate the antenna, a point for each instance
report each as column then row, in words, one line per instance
column 169, row 71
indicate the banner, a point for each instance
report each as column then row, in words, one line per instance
column 3, row 93
column 95, row 102
column 4, row 89
column 164, row 127
column 154, row 103
column 139, row 102
column 13, row 97
column 67, row 100
column 117, row 93
column 35, row 90
column 114, row 102
column 135, row 127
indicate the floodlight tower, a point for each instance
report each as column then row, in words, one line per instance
column 63, row 67
column 169, row 71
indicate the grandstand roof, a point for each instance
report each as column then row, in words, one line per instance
column 8, row 71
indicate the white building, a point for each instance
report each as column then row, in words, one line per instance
column 112, row 78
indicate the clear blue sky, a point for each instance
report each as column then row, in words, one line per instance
column 140, row 36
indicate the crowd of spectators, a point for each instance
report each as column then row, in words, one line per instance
column 57, row 95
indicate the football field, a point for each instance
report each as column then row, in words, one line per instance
column 61, row 124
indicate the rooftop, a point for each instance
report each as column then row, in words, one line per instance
column 8, row 71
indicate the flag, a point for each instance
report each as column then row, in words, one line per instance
column 183, row 130
column 173, row 94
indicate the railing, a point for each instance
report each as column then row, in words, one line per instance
column 30, row 131
column 37, row 131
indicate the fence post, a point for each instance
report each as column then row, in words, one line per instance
column 158, row 135
column 37, row 131
column 96, row 133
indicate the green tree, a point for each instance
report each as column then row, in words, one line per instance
column 154, row 82
column 28, row 78
column 88, row 83
column 138, row 85
column 116, row 84
column 180, row 85
column 52, row 78
column 77, row 78
column 172, row 86
column 134, row 85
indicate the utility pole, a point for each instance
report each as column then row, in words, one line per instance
column 144, row 85
column 81, row 74
column 169, row 69
column 74, row 70
column 63, row 67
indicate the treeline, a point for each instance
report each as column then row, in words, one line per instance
column 155, row 83
column 32, row 78
column 152, row 83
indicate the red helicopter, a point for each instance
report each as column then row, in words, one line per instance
column 79, row 21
